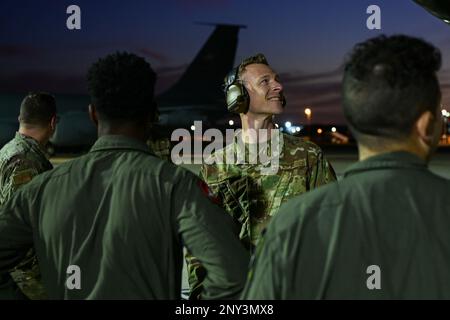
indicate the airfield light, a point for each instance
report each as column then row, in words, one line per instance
column 193, row 128
column 276, row 125
column 231, row 123
column 308, row 112
column 298, row 129
column 288, row 124
column 333, row 129
column 293, row 130
column 319, row 131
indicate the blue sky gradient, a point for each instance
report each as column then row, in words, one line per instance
column 305, row 41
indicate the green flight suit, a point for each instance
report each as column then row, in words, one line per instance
column 253, row 198
column 380, row 233
column 21, row 160
column 120, row 216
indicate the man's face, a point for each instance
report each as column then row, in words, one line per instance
column 264, row 89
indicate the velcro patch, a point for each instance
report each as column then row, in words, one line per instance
column 208, row 192
column 22, row 177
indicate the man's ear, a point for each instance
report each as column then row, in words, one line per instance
column 53, row 122
column 93, row 114
column 425, row 127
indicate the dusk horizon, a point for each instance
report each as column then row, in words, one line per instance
column 306, row 42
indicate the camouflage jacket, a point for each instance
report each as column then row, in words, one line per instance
column 21, row 159
column 160, row 147
column 252, row 198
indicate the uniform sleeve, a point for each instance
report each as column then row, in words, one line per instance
column 296, row 256
column 18, row 172
column 263, row 282
column 16, row 238
column 196, row 276
column 196, row 272
column 210, row 234
column 234, row 204
column 272, row 268
column 321, row 172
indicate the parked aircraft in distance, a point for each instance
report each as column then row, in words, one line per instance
column 439, row 8
column 197, row 96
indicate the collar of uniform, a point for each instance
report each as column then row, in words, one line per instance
column 27, row 138
column 119, row 142
column 391, row 160
column 33, row 143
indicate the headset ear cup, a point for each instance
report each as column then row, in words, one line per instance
column 236, row 94
column 237, row 98
column 244, row 101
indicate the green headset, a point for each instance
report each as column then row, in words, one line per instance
column 237, row 97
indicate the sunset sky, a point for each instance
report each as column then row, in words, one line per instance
column 304, row 40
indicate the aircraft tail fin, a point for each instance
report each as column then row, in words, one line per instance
column 439, row 8
column 203, row 79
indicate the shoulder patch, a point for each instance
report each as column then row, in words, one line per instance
column 22, row 177
column 208, row 192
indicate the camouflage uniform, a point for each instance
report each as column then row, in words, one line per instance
column 160, row 147
column 21, row 159
column 252, row 198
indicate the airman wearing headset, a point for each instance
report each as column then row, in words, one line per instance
column 253, row 90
